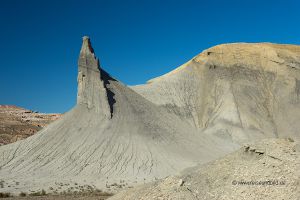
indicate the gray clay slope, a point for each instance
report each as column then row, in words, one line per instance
column 239, row 92
column 113, row 135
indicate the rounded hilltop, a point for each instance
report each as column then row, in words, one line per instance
column 262, row 56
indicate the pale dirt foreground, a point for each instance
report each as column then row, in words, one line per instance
column 58, row 198
column 266, row 170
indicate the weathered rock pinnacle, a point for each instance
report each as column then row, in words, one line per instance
column 86, row 48
column 91, row 89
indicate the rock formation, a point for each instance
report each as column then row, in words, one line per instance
column 119, row 136
column 112, row 138
column 92, row 81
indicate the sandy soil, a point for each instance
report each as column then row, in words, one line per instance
column 62, row 197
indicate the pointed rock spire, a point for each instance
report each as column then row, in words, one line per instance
column 86, row 48
column 87, row 56
column 92, row 92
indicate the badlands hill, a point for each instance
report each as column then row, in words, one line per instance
column 238, row 92
column 119, row 136
column 18, row 123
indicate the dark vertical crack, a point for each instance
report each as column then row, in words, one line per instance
column 106, row 78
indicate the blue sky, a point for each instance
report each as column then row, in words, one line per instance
column 135, row 40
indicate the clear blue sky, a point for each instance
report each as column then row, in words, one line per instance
column 135, row 40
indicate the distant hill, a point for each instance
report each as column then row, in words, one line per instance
column 18, row 123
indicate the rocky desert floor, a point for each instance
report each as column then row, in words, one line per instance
column 92, row 195
column 60, row 197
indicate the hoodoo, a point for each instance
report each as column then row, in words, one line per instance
column 113, row 135
column 92, row 92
